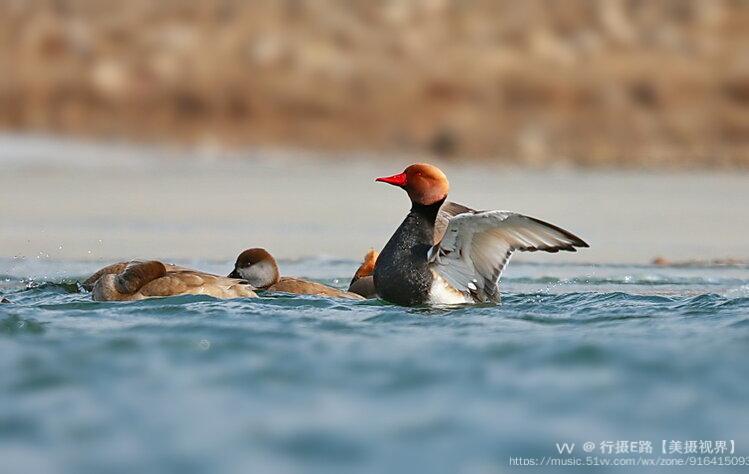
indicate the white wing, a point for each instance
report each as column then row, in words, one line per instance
column 448, row 210
column 477, row 245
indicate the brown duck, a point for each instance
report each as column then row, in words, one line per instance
column 259, row 268
column 136, row 280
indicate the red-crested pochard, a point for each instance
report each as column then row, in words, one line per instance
column 465, row 265
column 136, row 280
column 259, row 268
column 363, row 282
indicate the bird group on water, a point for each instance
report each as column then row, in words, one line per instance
column 442, row 253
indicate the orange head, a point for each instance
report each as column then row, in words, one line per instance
column 424, row 183
column 368, row 265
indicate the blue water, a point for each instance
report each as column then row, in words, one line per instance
column 574, row 353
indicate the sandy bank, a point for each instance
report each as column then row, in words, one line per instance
column 609, row 83
column 69, row 200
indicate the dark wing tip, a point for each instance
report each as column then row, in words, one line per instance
column 579, row 243
column 576, row 241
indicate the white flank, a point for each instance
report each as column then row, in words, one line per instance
column 442, row 293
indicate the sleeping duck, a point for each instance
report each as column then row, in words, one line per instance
column 137, row 280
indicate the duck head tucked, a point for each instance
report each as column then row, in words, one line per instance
column 424, row 183
column 256, row 266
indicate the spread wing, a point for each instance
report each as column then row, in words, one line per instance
column 448, row 210
column 478, row 244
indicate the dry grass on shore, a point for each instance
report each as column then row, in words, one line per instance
column 609, row 83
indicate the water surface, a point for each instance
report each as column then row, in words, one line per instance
column 280, row 384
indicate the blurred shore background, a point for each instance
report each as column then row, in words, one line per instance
column 66, row 200
column 616, row 83
column 194, row 129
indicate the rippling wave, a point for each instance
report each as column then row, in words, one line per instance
column 283, row 383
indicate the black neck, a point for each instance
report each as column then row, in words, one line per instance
column 429, row 211
column 402, row 272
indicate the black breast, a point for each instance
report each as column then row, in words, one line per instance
column 402, row 275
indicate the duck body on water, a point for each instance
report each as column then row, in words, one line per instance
column 417, row 267
column 137, row 280
column 254, row 270
column 442, row 253
column 402, row 274
column 259, row 269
